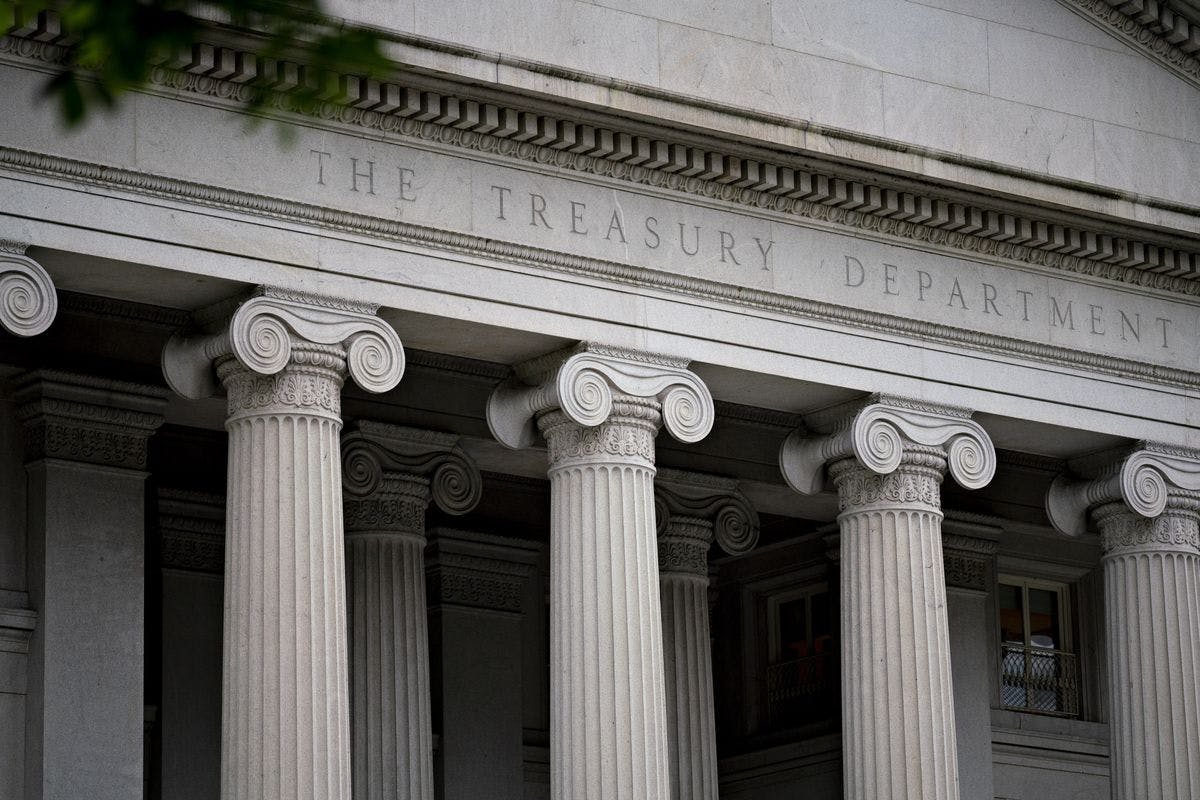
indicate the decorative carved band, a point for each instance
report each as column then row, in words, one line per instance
column 277, row 327
column 373, row 451
column 229, row 73
column 92, row 420
column 880, row 434
column 1153, row 27
column 192, row 531
column 967, row 560
column 475, row 580
column 1176, row 530
column 28, row 302
column 1144, row 480
column 585, row 382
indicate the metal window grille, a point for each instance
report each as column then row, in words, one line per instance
column 804, row 685
column 1039, row 679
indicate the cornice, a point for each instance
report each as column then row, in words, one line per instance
column 458, row 366
column 1153, row 27
column 445, row 121
column 169, row 319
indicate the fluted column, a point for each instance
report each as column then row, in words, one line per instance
column 599, row 410
column 282, row 358
column 28, row 302
column 691, row 509
column 390, row 475
column 887, row 462
column 1147, row 507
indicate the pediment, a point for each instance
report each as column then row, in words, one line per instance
column 1164, row 31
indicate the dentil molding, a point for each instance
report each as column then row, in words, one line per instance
column 583, row 381
column 262, row 330
column 877, row 435
column 1143, row 480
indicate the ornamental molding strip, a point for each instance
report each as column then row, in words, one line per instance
column 878, row 433
column 478, row 571
column 28, row 301
column 225, row 75
column 192, row 531
column 87, row 419
column 371, row 451
column 1144, row 480
column 263, row 329
column 583, row 381
column 1153, row 27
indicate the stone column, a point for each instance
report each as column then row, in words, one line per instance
column 390, row 475
column 1147, row 507
column 599, row 409
column 28, row 301
column 192, row 540
column 86, row 458
column 282, row 358
column 477, row 588
column 887, row 461
column 691, row 510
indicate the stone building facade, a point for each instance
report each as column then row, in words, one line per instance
column 626, row 400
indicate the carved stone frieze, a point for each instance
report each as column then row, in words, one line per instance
column 316, row 338
column 28, row 301
column 1176, row 529
column 1144, row 480
column 916, row 481
column 478, row 572
column 968, row 560
column 589, row 384
column 92, row 420
column 883, row 434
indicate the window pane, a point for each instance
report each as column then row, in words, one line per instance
column 793, row 632
column 822, row 623
column 1043, row 619
column 1012, row 618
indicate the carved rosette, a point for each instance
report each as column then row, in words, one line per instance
column 282, row 351
column 1145, row 481
column 886, row 433
column 28, row 302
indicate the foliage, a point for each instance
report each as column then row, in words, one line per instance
column 112, row 45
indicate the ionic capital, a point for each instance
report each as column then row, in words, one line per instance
column 375, row 453
column 28, row 301
column 582, row 383
column 263, row 331
column 878, row 435
column 692, row 509
column 1145, row 481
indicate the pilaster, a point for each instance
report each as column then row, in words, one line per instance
column 1147, row 508
column 191, row 529
column 86, row 454
column 391, row 474
column 282, row 357
column 28, row 302
column 691, row 510
column 599, row 409
column 887, row 459
column 477, row 593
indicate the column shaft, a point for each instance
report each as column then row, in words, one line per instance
column 285, row 707
column 691, row 723
column 898, row 733
column 389, row 655
column 607, row 694
column 1152, row 612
